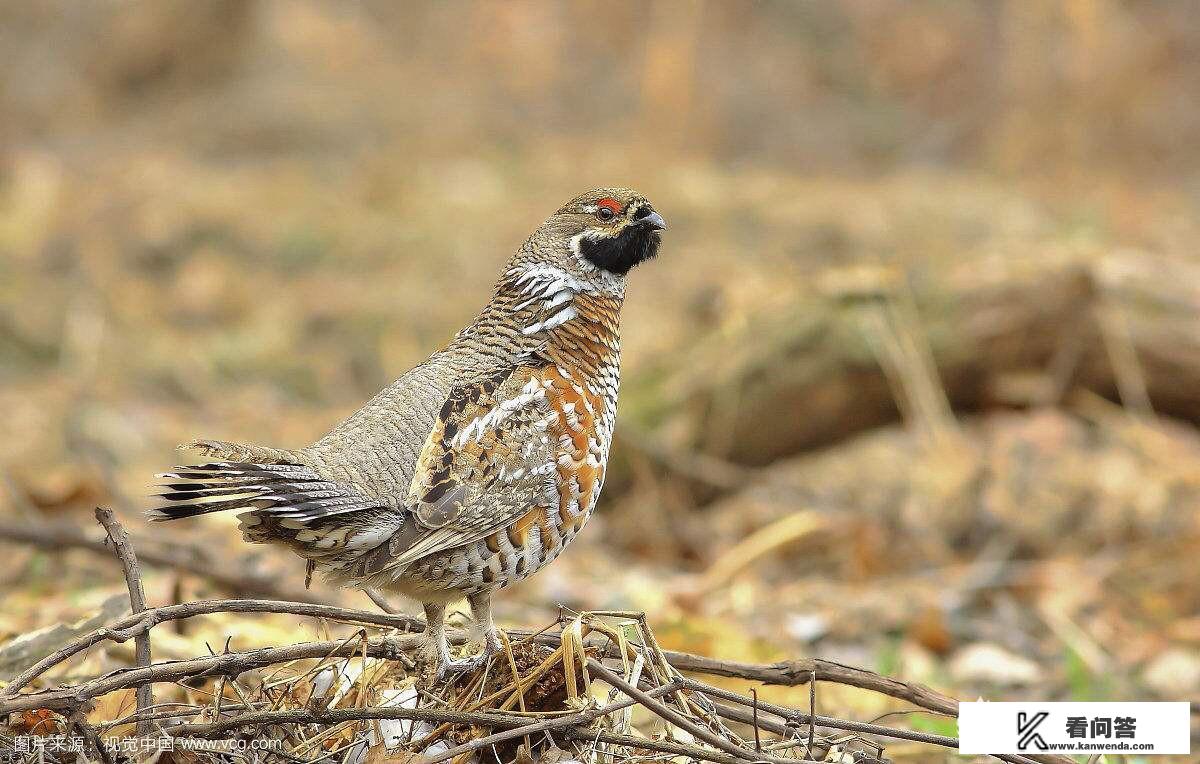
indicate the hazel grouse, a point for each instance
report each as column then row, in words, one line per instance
column 476, row 468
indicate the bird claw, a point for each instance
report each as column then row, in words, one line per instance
column 448, row 668
column 443, row 670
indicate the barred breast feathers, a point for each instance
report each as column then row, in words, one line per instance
column 528, row 434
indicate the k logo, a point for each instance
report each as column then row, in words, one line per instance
column 1027, row 730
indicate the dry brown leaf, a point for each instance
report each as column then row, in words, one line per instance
column 36, row 722
column 112, row 706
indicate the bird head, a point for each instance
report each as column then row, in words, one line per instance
column 595, row 239
column 612, row 229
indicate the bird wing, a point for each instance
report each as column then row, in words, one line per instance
column 490, row 459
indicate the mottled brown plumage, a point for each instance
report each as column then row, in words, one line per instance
column 477, row 467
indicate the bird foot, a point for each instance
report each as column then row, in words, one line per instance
column 443, row 670
column 451, row 668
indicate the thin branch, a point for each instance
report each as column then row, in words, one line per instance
column 225, row 664
column 574, row 720
column 78, row 721
column 665, row 746
column 137, row 600
column 786, row 673
column 799, row 717
column 237, row 576
column 331, row 716
column 132, row 625
column 240, row 578
column 798, row 672
column 673, row 717
column 754, row 721
column 811, row 719
column 380, row 601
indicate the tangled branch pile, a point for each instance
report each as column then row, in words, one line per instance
column 589, row 687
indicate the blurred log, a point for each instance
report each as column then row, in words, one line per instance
column 1046, row 482
column 998, row 331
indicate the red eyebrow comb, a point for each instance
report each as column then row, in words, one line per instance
column 612, row 204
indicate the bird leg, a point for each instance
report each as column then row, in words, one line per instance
column 485, row 626
column 439, row 666
column 435, row 653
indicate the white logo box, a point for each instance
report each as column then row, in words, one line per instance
column 1032, row 727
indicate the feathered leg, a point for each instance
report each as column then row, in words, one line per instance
column 485, row 626
column 436, row 652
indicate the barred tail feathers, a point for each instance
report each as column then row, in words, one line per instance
column 287, row 489
column 287, row 504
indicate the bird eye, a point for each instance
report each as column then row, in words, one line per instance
column 604, row 213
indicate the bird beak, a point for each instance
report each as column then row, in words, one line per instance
column 655, row 221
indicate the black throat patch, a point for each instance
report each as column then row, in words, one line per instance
column 618, row 254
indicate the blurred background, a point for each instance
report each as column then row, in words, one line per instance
column 914, row 385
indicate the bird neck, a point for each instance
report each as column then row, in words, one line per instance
column 588, row 344
column 570, row 322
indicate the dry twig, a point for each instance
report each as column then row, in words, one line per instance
column 137, row 599
column 237, row 576
column 580, row 719
column 132, row 625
